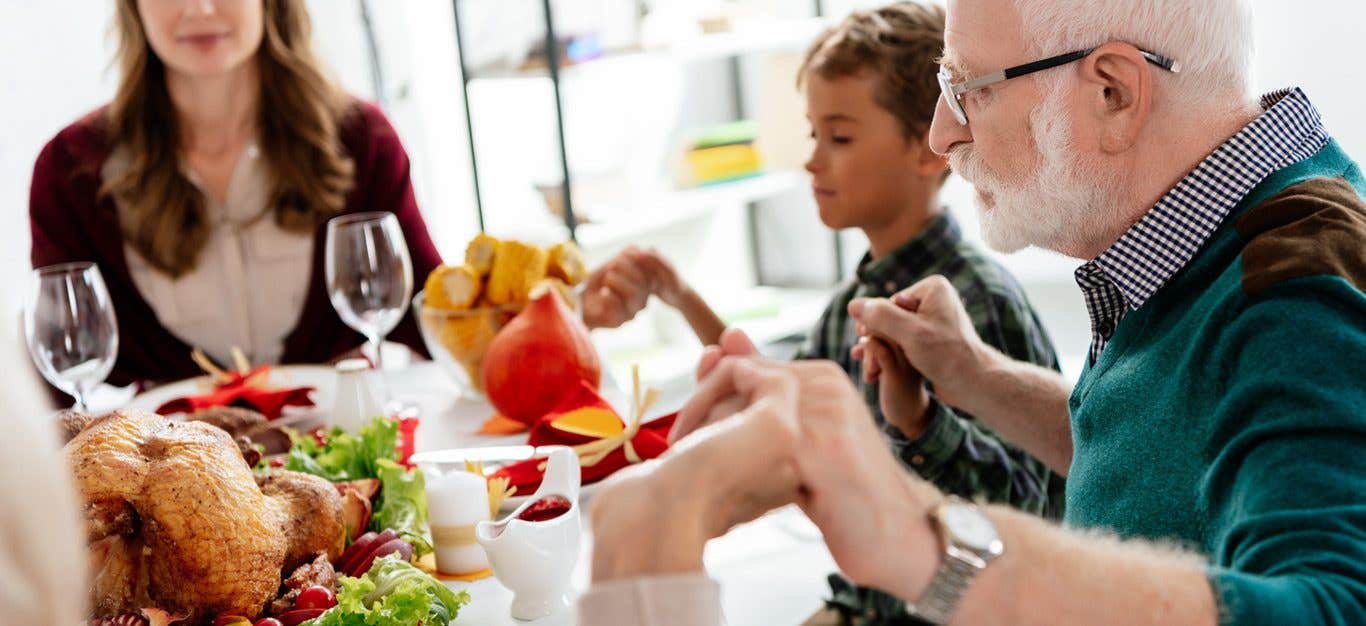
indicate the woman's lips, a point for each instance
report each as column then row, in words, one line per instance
column 822, row 192
column 205, row 40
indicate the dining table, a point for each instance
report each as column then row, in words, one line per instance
column 771, row 571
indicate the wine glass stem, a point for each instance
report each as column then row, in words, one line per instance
column 81, row 405
column 377, row 346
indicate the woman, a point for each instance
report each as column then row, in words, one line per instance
column 203, row 189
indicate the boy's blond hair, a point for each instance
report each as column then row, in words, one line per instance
column 899, row 45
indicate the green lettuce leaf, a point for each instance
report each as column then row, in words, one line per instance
column 393, row 593
column 402, row 505
column 371, row 453
column 346, row 456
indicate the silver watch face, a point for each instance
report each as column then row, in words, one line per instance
column 970, row 527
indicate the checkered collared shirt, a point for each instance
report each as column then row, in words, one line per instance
column 1150, row 253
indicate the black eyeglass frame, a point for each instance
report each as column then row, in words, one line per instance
column 953, row 92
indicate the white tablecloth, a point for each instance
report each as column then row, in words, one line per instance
column 772, row 571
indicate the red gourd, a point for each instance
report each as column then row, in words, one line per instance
column 538, row 359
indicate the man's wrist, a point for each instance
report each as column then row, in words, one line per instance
column 635, row 536
column 980, row 369
column 656, row 540
column 661, row 552
column 915, row 542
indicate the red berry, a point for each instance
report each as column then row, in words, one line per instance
column 316, row 597
column 268, row 621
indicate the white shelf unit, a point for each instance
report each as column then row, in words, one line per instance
column 669, row 209
column 752, row 37
column 693, row 227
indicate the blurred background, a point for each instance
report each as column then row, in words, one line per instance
column 644, row 87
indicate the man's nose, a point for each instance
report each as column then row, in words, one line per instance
column 945, row 131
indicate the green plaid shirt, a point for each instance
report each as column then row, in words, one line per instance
column 956, row 453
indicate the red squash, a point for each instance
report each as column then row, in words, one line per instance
column 540, row 357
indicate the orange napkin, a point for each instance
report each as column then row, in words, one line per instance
column 500, row 425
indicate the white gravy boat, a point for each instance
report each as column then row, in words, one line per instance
column 536, row 559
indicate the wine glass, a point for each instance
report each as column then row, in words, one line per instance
column 369, row 275
column 70, row 327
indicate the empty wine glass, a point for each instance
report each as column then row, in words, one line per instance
column 369, row 274
column 70, row 327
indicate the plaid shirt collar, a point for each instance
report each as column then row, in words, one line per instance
column 1151, row 252
column 914, row 259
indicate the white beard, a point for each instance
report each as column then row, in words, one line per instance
column 1060, row 207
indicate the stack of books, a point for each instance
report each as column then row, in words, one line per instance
column 723, row 154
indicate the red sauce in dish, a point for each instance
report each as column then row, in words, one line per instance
column 547, row 508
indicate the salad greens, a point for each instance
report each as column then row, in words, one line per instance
column 345, row 456
column 393, row 593
column 371, row 453
column 402, row 504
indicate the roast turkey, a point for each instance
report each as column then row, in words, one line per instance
column 176, row 519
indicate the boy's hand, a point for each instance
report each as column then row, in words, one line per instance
column 665, row 282
column 901, row 389
column 618, row 290
column 931, row 330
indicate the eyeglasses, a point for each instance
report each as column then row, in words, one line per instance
column 953, row 92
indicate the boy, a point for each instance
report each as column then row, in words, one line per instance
column 871, row 92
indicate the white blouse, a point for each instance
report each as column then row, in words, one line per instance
column 249, row 285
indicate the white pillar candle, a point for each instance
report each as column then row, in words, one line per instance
column 456, row 501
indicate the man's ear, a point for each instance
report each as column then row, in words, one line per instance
column 1118, row 89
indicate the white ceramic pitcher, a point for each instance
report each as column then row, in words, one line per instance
column 536, row 559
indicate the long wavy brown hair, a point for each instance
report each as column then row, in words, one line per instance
column 162, row 214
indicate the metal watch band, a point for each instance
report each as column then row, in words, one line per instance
column 941, row 598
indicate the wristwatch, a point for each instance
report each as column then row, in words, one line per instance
column 970, row 542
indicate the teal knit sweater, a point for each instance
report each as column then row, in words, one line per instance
column 1228, row 414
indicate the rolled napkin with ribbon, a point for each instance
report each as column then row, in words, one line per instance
column 603, row 441
column 244, row 387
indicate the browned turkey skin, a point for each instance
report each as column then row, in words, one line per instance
column 176, row 520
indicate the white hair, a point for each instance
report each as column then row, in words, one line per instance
column 1064, row 205
column 1213, row 40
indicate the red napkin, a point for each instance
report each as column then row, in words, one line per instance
column 649, row 442
column 407, row 439
column 544, row 433
column 268, row 402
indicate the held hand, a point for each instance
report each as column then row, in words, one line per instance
column 901, row 390
column 851, row 486
column 665, row 281
column 930, row 328
column 734, row 342
column 727, row 474
column 616, row 292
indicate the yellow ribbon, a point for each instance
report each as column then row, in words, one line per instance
column 453, row 536
column 594, row 452
column 497, row 487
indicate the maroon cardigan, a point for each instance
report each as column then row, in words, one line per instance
column 70, row 222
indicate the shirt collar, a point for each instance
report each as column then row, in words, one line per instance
column 1155, row 248
column 934, row 243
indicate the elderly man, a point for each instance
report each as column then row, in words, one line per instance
column 1219, row 428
